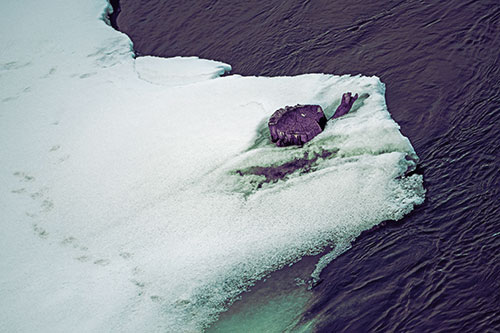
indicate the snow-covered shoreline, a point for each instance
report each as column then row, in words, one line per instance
column 120, row 207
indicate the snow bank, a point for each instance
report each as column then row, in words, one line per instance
column 132, row 206
column 178, row 71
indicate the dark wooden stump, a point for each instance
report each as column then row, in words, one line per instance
column 296, row 125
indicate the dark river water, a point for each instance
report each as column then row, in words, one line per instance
column 438, row 269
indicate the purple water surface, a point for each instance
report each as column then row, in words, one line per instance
column 438, row 269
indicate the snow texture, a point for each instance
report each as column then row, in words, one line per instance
column 178, row 71
column 126, row 194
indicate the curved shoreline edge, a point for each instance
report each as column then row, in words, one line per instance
column 113, row 16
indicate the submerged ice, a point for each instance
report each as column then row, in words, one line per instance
column 130, row 191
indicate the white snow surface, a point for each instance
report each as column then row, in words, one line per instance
column 121, row 207
column 178, row 71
